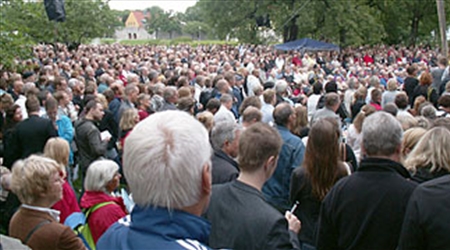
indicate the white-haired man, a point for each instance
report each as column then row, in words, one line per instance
column 366, row 209
column 167, row 167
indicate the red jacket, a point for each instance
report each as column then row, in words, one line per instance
column 100, row 220
column 68, row 204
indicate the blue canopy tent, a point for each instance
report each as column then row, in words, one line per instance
column 307, row 44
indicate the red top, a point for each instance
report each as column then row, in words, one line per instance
column 68, row 204
column 376, row 106
column 296, row 61
column 142, row 114
column 101, row 219
column 368, row 59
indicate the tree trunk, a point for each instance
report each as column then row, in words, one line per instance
column 414, row 30
column 342, row 37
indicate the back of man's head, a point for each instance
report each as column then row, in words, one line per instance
column 252, row 115
column 32, row 104
column 281, row 87
column 226, row 98
column 281, row 114
column 164, row 162
column 257, row 144
column 381, row 135
column 401, row 100
column 331, row 100
column 169, row 92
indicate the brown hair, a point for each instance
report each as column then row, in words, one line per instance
column 256, row 145
column 425, row 79
column 321, row 162
column 366, row 110
column 250, row 101
column 301, row 121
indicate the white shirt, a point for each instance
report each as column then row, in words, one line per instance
column 223, row 114
column 54, row 213
column 252, row 83
column 21, row 102
column 312, row 104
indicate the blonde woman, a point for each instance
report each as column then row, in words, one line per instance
column 37, row 181
column 58, row 149
column 410, row 139
column 389, row 95
column 129, row 119
column 430, row 158
column 207, row 119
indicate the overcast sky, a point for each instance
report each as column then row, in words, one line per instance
column 175, row 5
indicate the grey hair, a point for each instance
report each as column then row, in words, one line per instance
column 222, row 132
column 381, row 134
column 374, row 81
column 352, row 82
column 168, row 92
column 225, row 98
column 281, row 86
column 429, row 111
column 99, row 173
column 73, row 82
column 163, row 162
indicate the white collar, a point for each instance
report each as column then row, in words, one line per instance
column 54, row 213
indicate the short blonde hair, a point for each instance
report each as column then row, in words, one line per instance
column 392, row 84
column 58, row 149
column 432, row 149
column 98, row 174
column 32, row 177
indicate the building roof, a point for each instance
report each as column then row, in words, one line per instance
column 140, row 17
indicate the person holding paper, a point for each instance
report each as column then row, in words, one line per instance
column 90, row 142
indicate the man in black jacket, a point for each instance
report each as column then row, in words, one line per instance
column 91, row 145
column 225, row 141
column 427, row 219
column 366, row 209
column 238, row 212
column 33, row 133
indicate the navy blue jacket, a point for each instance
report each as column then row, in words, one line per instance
column 156, row 228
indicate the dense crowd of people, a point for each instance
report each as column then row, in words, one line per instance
column 227, row 147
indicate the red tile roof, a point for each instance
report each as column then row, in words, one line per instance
column 140, row 16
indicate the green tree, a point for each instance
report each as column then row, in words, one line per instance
column 196, row 29
column 161, row 21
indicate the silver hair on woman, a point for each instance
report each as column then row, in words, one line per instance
column 98, row 174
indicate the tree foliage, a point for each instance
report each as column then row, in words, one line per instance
column 345, row 22
column 24, row 23
column 162, row 21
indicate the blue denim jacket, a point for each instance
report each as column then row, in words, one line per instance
column 276, row 189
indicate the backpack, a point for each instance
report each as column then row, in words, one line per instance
column 78, row 222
